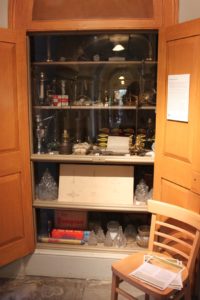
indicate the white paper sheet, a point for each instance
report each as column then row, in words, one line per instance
column 96, row 184
column 178, row 97
column 160, row 272
column 154, row 275
column 118, row 144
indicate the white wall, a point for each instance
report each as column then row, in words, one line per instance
column 189, row 10
column 4, row 13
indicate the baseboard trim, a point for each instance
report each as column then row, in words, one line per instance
column 62, row 263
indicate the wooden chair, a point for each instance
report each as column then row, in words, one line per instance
column 175, row 231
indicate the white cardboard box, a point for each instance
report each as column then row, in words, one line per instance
column 96, row 184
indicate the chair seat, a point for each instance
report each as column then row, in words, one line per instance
column 124, row 267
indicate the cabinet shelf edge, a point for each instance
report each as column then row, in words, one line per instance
column 55, row 204
column 93, row 159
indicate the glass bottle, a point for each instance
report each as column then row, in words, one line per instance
column 149, row 130
column 108, row 242
column 106, row 99
column 40, row 135
column 92, row 240
column 65, row 146
column 119, row 240
column 51, row 93
column 63, row 87
column 100, row 235
column 41, row 89
column 149, row 133
column 53, row 145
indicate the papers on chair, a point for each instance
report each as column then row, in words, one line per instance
column 160, row 272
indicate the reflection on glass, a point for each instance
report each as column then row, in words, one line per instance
column 97, row 90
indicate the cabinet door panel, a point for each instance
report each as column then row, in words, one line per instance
column 16, row 223
column 11, row 209
column 9, row 114
column 181, row 59
column 173, row 193
column 177, row 150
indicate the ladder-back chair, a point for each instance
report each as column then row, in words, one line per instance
column 175, row 232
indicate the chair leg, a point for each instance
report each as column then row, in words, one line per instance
column 115, row 285
column 187, row 292
column 146, row 297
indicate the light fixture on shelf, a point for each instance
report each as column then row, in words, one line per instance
column 118, row 47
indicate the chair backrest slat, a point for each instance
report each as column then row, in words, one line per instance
column 171, row 226
column 172, row 249
column 169, row 238
column 173, row 211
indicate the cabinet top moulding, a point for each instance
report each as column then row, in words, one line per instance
column 46, row 15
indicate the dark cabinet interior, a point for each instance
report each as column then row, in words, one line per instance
column 81, row 85
column 89, row 90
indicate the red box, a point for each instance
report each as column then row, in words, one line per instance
column 70, row 219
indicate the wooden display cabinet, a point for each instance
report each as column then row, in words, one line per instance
column 18, row 241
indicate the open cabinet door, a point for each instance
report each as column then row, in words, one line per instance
column 177, row 160
column 16, row 220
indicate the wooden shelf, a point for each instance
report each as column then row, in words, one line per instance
column 94, row 63
column 94, row 107
column 100, row 248
column 56, row 204
column 126, row 159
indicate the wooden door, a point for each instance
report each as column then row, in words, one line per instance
column 177, row 161
column 16, row 220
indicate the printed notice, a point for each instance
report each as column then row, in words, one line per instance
column 178, row 97
column 118, row 144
